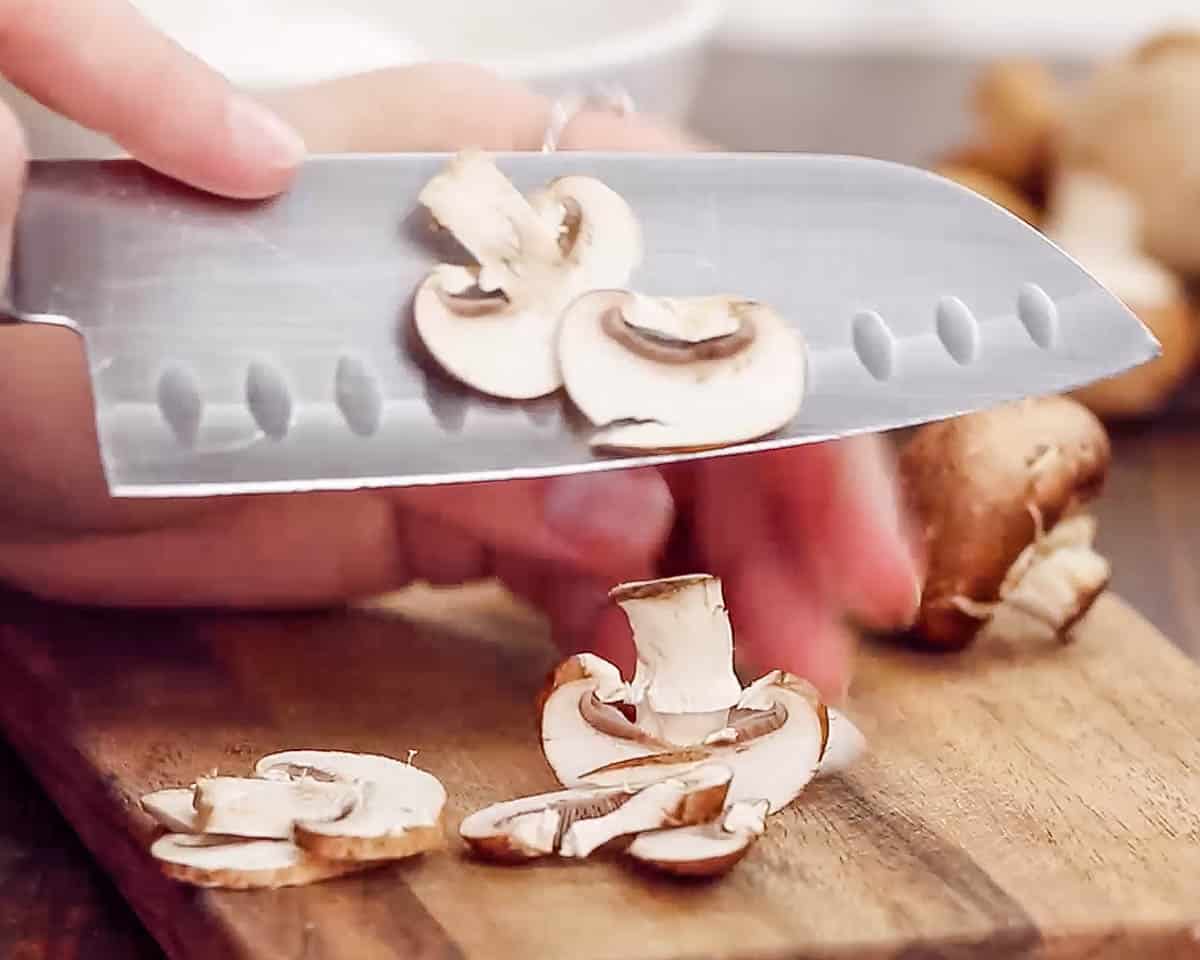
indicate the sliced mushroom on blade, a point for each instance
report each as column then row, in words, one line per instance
column 706, row 849
column 680, row 373
column 238, row 864
column 493, row 325
column 575, row 823
column 397, row 808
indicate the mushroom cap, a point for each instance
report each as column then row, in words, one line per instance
column 1134, row 123
column 1018, row 104
column 971, row 481
column 507, row 349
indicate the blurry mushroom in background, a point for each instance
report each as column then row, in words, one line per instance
column 1134, row 123
column 680, row 373
column 493, row 325
column 1099, row 223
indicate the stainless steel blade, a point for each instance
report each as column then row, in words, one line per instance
column 244, row 347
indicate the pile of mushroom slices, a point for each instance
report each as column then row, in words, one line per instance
column 303, row 816
column 546, row 306
column 678, row 768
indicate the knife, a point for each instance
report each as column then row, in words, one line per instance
column 242, row 347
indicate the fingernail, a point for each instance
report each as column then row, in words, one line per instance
column 631, row 510
column 262, row 134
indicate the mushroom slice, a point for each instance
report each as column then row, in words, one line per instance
column 576, row 823
column 774, row 764
column 237, row 864
column 706, row 849
column 267, row 809
column 493, row 325
column 397, row 809
column 990, row 491
column 687, row 705
column 173, row 808
column 687, row 373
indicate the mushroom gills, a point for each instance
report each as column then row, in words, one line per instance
column 679, row 373
column 707, row 849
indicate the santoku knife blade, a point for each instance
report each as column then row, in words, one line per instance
column 241, row 347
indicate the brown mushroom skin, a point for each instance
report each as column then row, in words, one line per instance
column 969, row 482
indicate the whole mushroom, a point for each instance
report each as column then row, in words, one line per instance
column 1000, row 496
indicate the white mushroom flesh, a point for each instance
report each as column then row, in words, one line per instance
column 534, row 256
column 392, row 798
column 676, row 374
column 267, row 809
column 684, row 684
column 173, row 808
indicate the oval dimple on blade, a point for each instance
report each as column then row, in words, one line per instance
column 180, row 403
column 358, row 395
column 269, row 400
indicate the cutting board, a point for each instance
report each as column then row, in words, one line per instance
column 1017, row 802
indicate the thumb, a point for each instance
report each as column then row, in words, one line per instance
column 606, row 523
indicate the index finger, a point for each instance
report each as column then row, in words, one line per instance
column 103, row 64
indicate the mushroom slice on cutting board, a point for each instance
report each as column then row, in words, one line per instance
column 238, row 864
column 493, row 325
column 576, row 823
column 672, row 373
column 999, row 496
column 687, row 706
column 706, row 849
column 252, row 807
column 397, row 808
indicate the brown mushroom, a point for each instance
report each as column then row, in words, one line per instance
column 998, row 496
column 1134, row 123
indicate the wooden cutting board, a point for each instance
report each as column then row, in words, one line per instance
column 1016, row 803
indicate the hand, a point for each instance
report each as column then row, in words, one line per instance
column 801, row 538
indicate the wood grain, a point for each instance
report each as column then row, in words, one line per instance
column 1037, row 802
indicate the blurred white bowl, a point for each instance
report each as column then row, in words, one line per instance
column 654, row 48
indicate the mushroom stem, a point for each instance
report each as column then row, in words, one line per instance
column 491, row 218
column 684, row 685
